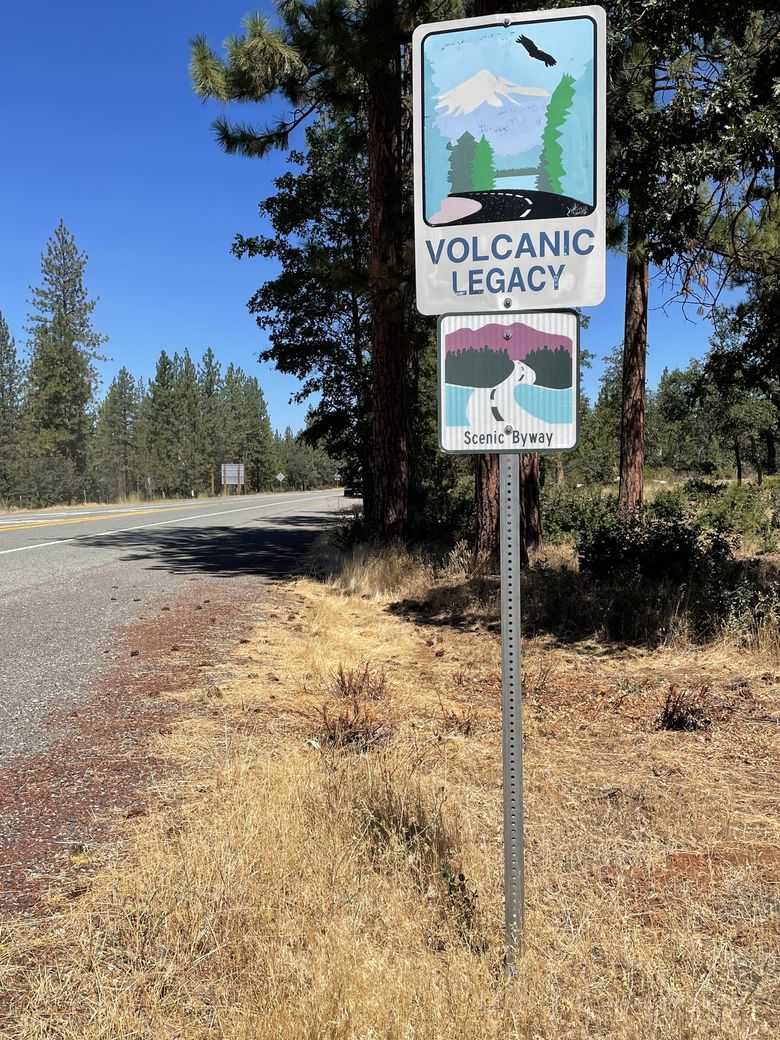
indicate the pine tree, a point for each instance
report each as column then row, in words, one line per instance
column 462, row 155
column 55, row 419
column 483, row 170
column 343, row 58
column 210, row 386
column 115, row 450
column 551, row 161
column 160, row 430
column 692, row 157
column 62, row 294
column 316, row 311
column 191, row 459
column 246, row 428
column 10, row 400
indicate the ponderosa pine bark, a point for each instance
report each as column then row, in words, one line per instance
column 530, row 485
column 390, row 343
column 632, row 423
column 486, row 473
column 486, row 490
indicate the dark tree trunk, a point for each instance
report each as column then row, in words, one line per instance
column 757, row 460
column 632, row 425
column 486, row 473
column 369, row 498
column 771, row 452
column 486, row 504
column 738, row 459
column 530, row 483
column 390, row 343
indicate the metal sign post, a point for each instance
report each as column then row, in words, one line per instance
column 511, row 703
column 509, row 121
column 509, row 383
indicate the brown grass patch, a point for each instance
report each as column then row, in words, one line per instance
column 292, row 889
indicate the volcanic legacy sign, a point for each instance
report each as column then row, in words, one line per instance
column 508, row 382
column 509, row 138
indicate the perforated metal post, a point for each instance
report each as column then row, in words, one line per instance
column 509, row 480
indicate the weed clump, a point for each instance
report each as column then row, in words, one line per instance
column 684, row 710
column 457, row 720
column 354, row 726
column 362, row 683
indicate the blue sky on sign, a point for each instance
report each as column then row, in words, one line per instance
column 101, row 129
column 455, row 57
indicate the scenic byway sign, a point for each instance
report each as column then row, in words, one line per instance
column 510, row 161
column 508, row 382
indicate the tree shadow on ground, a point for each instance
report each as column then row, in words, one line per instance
column 568, row 606
column 269, row 547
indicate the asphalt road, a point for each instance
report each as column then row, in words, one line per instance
column 503, row 204
column 70, row 578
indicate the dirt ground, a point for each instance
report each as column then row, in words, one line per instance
column 322, row 857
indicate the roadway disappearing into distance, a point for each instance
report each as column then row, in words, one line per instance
column 71, row 578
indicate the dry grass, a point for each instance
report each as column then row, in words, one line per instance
column 293, row 890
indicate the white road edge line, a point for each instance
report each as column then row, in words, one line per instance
column 140, row 527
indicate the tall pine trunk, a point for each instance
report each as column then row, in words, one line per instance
column 771, row 452
column 390, row 343
column 486, row 505
column 632, row 423
column 530, row 484
column 486, row 476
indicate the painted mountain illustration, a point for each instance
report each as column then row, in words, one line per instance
column 487, row 357
column 510, row 116
column 507, row 136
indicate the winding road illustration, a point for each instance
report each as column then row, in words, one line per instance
column 500, row 401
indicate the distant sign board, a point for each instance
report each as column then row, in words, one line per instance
column 233, row 473
column 280, row 477
column 509, row 161
column 508, row 382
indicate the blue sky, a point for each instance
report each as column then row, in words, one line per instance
column 455, row 57
column 101, row 129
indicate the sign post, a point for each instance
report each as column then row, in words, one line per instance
column 510, row 229
column 511, row 703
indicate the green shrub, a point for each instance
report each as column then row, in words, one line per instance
column 697, row 489
column 743, row 509
column 572, row 513
column 668, row 504
column 670, row 548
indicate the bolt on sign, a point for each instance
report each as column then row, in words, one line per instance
column 510, row 162
column 508, row 382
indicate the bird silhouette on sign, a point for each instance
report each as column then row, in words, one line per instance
column 534, row 52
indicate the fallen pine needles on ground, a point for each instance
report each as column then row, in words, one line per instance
column 326, row 861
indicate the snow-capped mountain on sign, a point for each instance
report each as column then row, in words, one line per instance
column 485, row 88
column 510, row 116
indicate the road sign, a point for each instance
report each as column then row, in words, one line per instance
column 510, row 161
column 508, row 382
column 232, row 473
column 280, row 477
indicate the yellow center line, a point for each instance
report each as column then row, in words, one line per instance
column 102, row 516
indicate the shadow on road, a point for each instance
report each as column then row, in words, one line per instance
column 273, row 547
